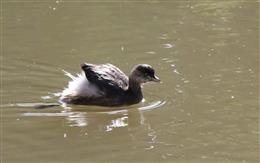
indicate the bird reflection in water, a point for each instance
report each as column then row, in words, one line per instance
column 91, row 121
column 108, row 120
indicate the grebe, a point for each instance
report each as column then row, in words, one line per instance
column 107, row 85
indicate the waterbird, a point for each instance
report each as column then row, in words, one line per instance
column 107, row 85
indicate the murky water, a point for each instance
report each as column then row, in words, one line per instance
column 205, row 110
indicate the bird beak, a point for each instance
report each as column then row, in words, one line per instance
column 156, row 79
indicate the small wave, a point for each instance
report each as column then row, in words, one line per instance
column 30, row 105
column 47, row 114
column 144, row 106
column 152, row 105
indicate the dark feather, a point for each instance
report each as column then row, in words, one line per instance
column 107, row 77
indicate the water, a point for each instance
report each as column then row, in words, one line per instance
column 205, row 110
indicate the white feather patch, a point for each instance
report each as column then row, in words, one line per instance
column 79, row 86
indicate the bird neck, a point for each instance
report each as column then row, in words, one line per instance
column 134, row 90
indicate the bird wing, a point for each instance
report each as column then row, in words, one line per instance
column 107, row 77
